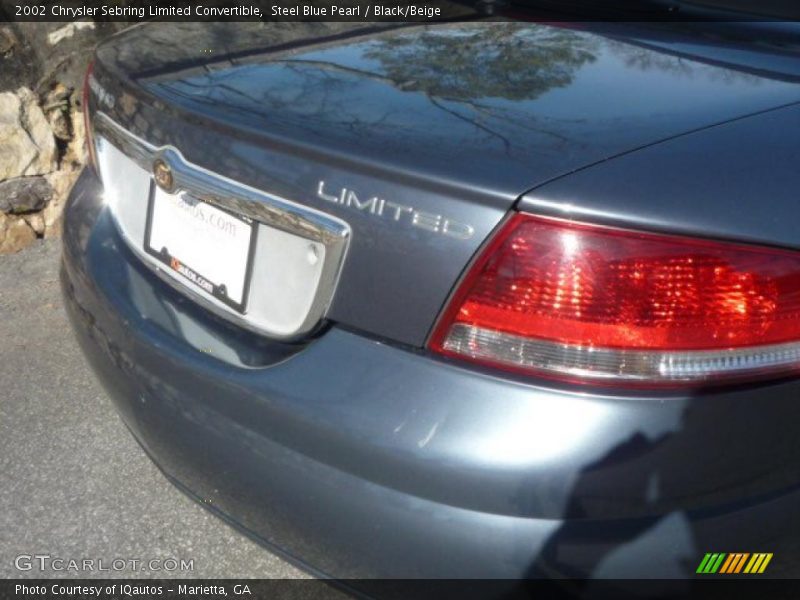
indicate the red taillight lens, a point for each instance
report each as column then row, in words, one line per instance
column 87, row 122
column 594, row 303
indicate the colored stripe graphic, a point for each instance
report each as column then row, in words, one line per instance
column 734, row 563
column 732, row 558
column 765, row 563
column 703, row 563
column 724, row 563
column 741, row 562
column 711, row 562
column 758, row 563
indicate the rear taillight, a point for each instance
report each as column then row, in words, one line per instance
column 592, row 304
column 87, row 121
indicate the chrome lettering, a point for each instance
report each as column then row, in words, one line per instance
column 393, row 211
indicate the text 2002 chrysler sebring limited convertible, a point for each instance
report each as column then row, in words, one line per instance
column 462, row 300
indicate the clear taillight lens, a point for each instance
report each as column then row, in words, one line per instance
column 591, row 303
column 87, row 122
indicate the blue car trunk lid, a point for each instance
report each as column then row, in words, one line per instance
column 420, row 138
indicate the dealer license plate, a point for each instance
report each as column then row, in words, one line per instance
column 209, row 248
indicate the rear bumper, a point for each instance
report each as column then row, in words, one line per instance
column 362, row 459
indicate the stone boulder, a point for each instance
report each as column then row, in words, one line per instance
column 41, row 128
column 15, row 234
column 27, row 144
column 24, row 194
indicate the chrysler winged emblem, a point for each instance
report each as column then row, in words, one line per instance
column 162, row 173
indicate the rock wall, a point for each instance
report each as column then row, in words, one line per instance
column 42, row 141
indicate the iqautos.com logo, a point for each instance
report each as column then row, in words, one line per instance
column 732, row 563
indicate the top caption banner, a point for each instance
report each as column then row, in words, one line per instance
column 232, row 10
column 133, row 11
